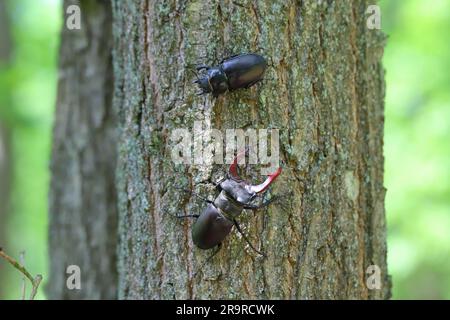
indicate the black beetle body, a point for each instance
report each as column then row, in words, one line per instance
column 235, row 72
column 210, row 228
column 219, row 217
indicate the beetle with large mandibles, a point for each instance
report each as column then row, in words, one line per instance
column 235, row 72
column 219, row 217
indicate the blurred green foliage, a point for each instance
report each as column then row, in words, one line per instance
column 417, row 136
column 417, row 147
column 27, row 99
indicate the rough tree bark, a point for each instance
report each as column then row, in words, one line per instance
column 324, row 91
column 83, row 211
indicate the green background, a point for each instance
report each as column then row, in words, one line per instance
column 417, row 135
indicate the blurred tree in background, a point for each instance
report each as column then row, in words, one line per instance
column 417, row 135
column 27, row 98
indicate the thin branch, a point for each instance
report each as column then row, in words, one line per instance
column 16, row 265
column 34, row 281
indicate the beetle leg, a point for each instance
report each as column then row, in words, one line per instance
column 246, row 239
column 253, row 83
column 214, row 253
column 209, row 258
column 262, row 205
column 271, row 62
column 194, row 194
column 189, row 216
column 184, row 216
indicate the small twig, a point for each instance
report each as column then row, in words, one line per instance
column 34, row 281
column 16, row 265
column 24, row 284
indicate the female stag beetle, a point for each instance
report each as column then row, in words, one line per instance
column 219, row 217
column 235, row 72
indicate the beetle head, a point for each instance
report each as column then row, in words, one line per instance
column 240, row 190
column 237, row 191
column 203, row 84
column 214, row 81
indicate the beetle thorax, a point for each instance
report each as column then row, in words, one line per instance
column 217, row 80
column 233, row 197
column 227, row 206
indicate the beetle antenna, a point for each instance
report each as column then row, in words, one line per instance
column 202, row 67
column 262, row 205
column 196, row 75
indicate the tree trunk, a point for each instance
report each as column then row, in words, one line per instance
column 83, row 213
column 324, row 90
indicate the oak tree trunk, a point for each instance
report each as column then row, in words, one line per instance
column 324, row 90
column 82, row 206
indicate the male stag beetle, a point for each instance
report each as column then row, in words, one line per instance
column 219, row 217
column 235, row 72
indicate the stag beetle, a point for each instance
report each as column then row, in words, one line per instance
column 234, row 72
column 219, row 217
